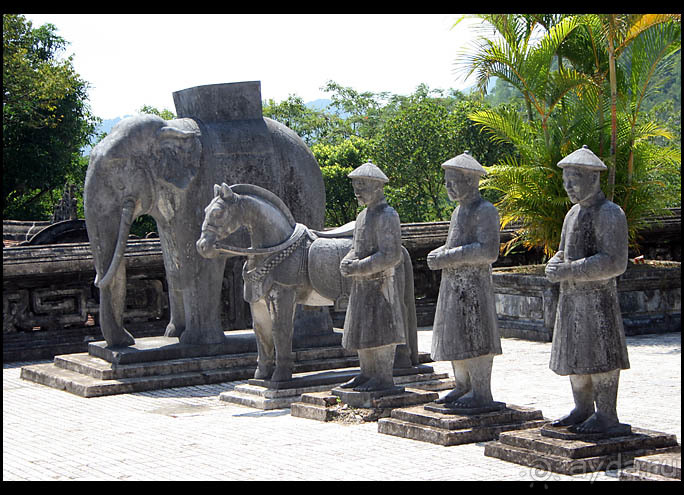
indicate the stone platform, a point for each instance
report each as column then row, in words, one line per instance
column 442, row 425
column 263, row 394
column 656, row 467
column 414, row 385
column 534, row 449
column 162, row 362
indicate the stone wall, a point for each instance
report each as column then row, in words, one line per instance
column 51, row 305
column 650, row 300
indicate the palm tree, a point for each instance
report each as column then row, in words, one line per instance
column 626, row 53
column 521, row 51
column 613, row 34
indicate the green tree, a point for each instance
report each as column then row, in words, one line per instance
column 46, row 119
column 165, row 114
column 336, row 162
column 312, row 125
column 428, row 129
column 639, row 165
column 603, row 48
column 410, row 148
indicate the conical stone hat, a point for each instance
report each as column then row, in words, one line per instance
column 368, row 171
column 583, row 158
column 464, row 162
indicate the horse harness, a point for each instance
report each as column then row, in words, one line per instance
column 258, row 281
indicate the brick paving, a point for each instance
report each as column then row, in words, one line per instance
column 188, row 434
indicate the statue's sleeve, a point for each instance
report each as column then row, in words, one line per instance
column 388, row 231
column 485, row 247
column 611, row 257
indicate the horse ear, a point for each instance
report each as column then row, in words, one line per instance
column 217, row 190
column 226, row 192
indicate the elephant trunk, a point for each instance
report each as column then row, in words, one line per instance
column 127, row 217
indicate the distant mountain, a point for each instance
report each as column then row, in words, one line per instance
column 320, row 104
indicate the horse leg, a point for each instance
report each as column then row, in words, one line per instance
column 263, row 330
column 283, row 310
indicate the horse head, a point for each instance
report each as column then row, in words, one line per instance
column 220, row 220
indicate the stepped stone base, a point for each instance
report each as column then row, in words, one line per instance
column 656, row 467
column 532, row 448
column 161, row 362
column 415, row 385
column 263, row 394
column 441, row 425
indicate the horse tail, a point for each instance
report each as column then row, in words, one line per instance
column 410, row 318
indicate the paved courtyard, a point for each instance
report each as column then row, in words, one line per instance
column 188, row 434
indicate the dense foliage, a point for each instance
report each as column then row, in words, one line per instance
column 581, row 80
column 546, row 85
column 45, row 119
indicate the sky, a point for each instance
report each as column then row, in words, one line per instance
column 131, row 60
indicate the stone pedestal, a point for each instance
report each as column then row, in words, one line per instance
column 413, row 385
column 578, row 455
column 367, row 400
column 264, row 394
column 443, row 425
column 162, row 362
column 656, row 467
column 328, row 406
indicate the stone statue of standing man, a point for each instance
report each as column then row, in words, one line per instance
column 374, row 323
column 588, row 337
column 465, row 329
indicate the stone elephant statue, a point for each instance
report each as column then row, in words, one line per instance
column 167, row 169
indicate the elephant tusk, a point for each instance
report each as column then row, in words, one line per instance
column 124, row 227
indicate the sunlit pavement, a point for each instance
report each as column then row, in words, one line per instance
column 189, row 434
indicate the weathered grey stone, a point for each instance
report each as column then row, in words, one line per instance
column 285, row 265
column 649, row 296
column 531, row 448
column 588, row 338
column 419, row 384
column 377, row 321
column 264, row 394
column 90, row 376
column 167, row 169
column 465, row 329
column 430, row 424
column 655, row 467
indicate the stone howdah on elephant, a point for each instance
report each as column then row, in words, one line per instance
column 167, row 169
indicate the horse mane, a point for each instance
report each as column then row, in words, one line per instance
column 266, row 195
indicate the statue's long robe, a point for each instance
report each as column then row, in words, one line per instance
column 374, row 315
column 588, row 335
column 465, row 323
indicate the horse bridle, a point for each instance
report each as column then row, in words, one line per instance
column 297, row 234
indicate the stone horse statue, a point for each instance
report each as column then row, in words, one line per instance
column 287, row 264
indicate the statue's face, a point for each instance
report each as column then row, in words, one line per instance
column 580, row 184
column 460, row 184
column 367, row 191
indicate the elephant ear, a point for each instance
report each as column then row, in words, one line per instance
column 180, row 155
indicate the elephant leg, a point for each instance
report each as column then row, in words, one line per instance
column 263, row 330
column 176, row 324
column 282, row 314
column 112, row 305
column 201, row 280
